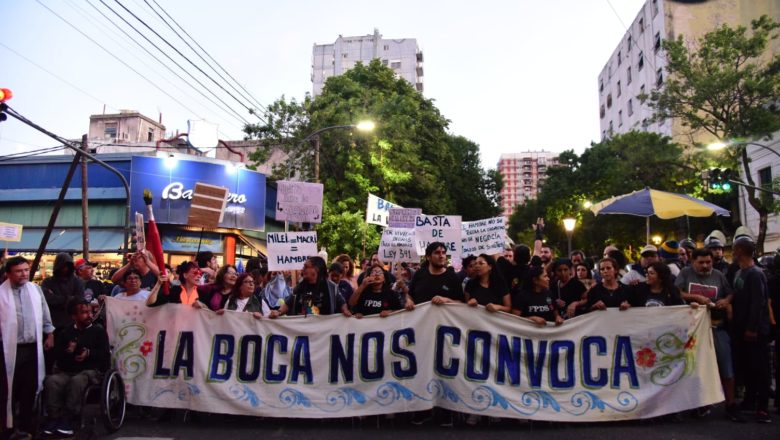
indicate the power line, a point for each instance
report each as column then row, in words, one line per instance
column 252, row 100
column 164, row 65
column 174, row 62
column 119, row 59
column 250, row 110
column 31, row 153
column 55, row 75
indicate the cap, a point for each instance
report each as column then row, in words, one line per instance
column 81, row 262
column 649, row 249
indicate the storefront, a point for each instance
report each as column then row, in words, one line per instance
column 30, row 187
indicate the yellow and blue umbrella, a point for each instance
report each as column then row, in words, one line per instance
column 648, row 202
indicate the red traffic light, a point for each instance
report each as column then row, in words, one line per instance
column 5, row 95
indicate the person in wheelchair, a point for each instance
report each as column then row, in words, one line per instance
column 81, row 355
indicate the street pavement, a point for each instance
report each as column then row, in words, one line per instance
column 225, row 427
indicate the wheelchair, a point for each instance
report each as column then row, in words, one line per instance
column 103, row 400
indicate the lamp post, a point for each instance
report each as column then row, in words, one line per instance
column 716, row 146
column 568, row 225
column 362, row 126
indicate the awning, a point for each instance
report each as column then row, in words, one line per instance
column 254, row 243
column 68, row 240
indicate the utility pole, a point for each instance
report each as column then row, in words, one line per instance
column 84, row 199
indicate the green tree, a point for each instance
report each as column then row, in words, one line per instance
column 726, row 84
column 615, row 166
column 409, row 159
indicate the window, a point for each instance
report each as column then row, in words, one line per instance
column 659, row 77
column 602, row 112
column 601, row 85
column 641, row 63
column 109, row 131
column 395, row 65
column 765, row 181
column 620, row 58
column 630, row 107
column 628, row 44
column 655, row 8
column 657, row 43
column 344, row 55
column 386, row 47
column 609, row 100
column 628, row 75
column 619, row 89
column 150, row 135
column 620, row 118
column 611, row 129
column 641, row 25
column 385, row 62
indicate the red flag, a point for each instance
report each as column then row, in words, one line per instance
column 153, row 242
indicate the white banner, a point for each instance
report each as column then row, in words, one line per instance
column 299, row 202
column 289, row 250
column 603, row 366
column 377, row 210
column 443, row 228
column 398, row 245
column 485, row 236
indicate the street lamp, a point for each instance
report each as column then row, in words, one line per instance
column 364, row 126
column 716, row 146
column 657, row 240
column 568, row 225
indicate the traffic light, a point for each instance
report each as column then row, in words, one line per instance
column 5, row 95
column 720, row 179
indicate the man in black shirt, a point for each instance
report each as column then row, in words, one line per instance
column 750, row 325
column 81, row 352
column 435, row 281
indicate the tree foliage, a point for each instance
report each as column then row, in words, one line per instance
column 409, row 158
column 726, row 84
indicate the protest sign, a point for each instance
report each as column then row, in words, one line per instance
column 289, row 250
column 604, row 366
column 377, row 210
column 404, row 217
column 398, row 245
column 486, row 236
column 443, row 228
column 10, row 232
column 299, row 202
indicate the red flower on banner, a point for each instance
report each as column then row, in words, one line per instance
column 645, row 358
column 146, row 348
column 691, row 343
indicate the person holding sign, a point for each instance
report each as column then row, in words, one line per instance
column 376, row 298
column 534, row 301
column 185, row 293
column 488, row 288
column 314, row 295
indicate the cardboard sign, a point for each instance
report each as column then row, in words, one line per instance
column 208, row 205
column 443, row 228
column 404, row 217
column 377, row 210
column 299, row 202
column 289, row 250
column 398, row 245
column 486, row 236
column 140, row 235
column 10, row 232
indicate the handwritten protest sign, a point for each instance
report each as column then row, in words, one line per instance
column 403, row 217
column 443, row 228
column 10, row 232
column 486, row 236
column 299, row 202
column 398, row 245
column 377, row 210
column 288, row 250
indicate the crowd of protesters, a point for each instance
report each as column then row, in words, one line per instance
column 54, row 331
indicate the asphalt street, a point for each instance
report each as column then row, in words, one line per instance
column 222, row 427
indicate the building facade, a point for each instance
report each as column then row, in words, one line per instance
column 522, row 174
column 764, row 168
column 402, row 55
column 127, row 126
column 638, row 63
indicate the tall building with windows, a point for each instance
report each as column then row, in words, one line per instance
column 402, row 55
column 523, row 174
column 638, row 63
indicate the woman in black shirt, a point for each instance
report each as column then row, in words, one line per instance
column 568, row 289
column 376, row 297
column 185, row 293
column 488, row 288
column 609, row 292
column 658, row 290
column 535, row 301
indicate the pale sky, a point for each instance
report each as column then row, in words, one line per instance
column 509, row 75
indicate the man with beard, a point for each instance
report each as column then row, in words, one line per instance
column 704, row 285
column 81, row 353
